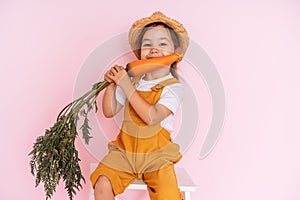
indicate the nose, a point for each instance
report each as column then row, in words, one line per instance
column 153, row 50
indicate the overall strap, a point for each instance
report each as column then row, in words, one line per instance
column 164, row 84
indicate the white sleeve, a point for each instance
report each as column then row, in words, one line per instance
column 120, row 96
column 172, row 96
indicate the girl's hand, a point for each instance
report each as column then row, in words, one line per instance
column 118, row 75
column 108, row 76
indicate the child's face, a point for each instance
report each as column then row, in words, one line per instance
column 157, row 42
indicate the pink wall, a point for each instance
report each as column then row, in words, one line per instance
column 253, row 44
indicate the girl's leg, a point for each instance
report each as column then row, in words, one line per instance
column 103, row 189
column 162, row 184
column 108, row 182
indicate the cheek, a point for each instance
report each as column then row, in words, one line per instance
column 144, row 53
column 172, row 49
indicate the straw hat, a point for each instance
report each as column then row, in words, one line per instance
column 137, row 27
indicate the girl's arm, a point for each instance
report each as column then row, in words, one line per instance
column 110, row 105
column 150, row 114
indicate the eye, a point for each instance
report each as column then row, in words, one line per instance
column 163, row 44
column 146, row 45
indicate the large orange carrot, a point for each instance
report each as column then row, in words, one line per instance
column 140, row 67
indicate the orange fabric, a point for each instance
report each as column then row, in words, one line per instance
column 118, row 179
column 143, row 145
column 161, row 184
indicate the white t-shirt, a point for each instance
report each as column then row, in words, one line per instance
column 171, row 97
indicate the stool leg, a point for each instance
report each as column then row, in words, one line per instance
column 187, row 196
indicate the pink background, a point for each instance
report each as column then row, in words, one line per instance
column 253, row 44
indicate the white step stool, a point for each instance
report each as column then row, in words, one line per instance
column 185, row 183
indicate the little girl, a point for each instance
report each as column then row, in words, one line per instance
column 143, row 149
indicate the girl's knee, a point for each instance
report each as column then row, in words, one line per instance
column 103, row 184
column 103, row 189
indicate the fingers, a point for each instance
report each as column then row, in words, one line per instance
column 107, row 78
column 114, row 74
column 116, row 69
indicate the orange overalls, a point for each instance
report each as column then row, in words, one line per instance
column 142, row 151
